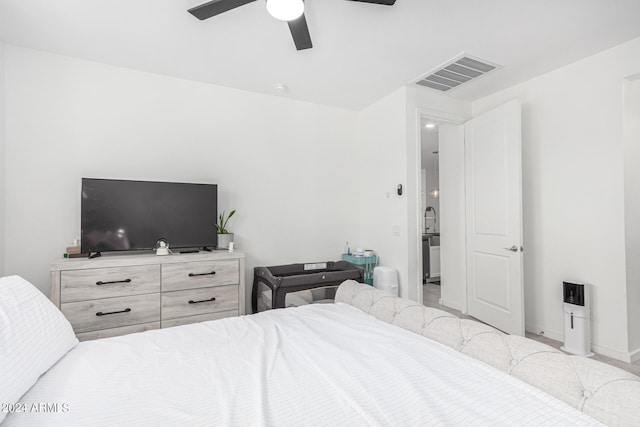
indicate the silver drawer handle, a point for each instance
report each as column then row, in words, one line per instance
column 126, row 310
column 204, row 300
column 100, row 283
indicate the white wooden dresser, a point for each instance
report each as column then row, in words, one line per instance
column 121, row 294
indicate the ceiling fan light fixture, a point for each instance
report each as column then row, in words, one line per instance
column 285, row 10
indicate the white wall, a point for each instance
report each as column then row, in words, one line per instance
column 288, row 167
column 631, row 137
column 2, row 163
column 382, row 162
column 573, row 191
column 390, row 151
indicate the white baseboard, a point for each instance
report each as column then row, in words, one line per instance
column 558, row 336
column 605, row 351
column 615, row 354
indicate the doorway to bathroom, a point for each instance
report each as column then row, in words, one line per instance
column 430, row 200
column 441, row 210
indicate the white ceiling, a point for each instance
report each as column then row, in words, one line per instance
column 361, row 51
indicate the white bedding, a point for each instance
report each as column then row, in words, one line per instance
column 326, row 364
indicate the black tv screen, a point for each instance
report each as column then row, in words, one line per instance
column 119, row 215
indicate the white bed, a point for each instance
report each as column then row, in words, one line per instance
column 324, row 364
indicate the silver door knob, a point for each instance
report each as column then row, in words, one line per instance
column 513, row 248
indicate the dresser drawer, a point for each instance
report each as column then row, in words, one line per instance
column 114, row 332
column 96, row 283
column 199, row 301
column 107, row 313
column 198, row 318
column 199, row 274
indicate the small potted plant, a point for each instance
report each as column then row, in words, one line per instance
column 224, row 237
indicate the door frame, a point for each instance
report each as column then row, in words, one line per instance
column 416, row 241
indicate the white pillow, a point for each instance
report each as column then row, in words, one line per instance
column 34, row 335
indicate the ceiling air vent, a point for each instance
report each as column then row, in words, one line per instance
column 455, row 73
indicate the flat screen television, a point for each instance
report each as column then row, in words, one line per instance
column 119, row 215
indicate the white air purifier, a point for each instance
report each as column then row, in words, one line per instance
column 577, row 319
column 386, row 279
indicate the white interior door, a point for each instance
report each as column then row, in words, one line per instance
column 493, row 187
column 453, row 255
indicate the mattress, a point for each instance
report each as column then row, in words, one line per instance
column 315, row 365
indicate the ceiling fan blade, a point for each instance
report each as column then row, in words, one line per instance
column 216, row 7
column 385, row 2
column 300, row 33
